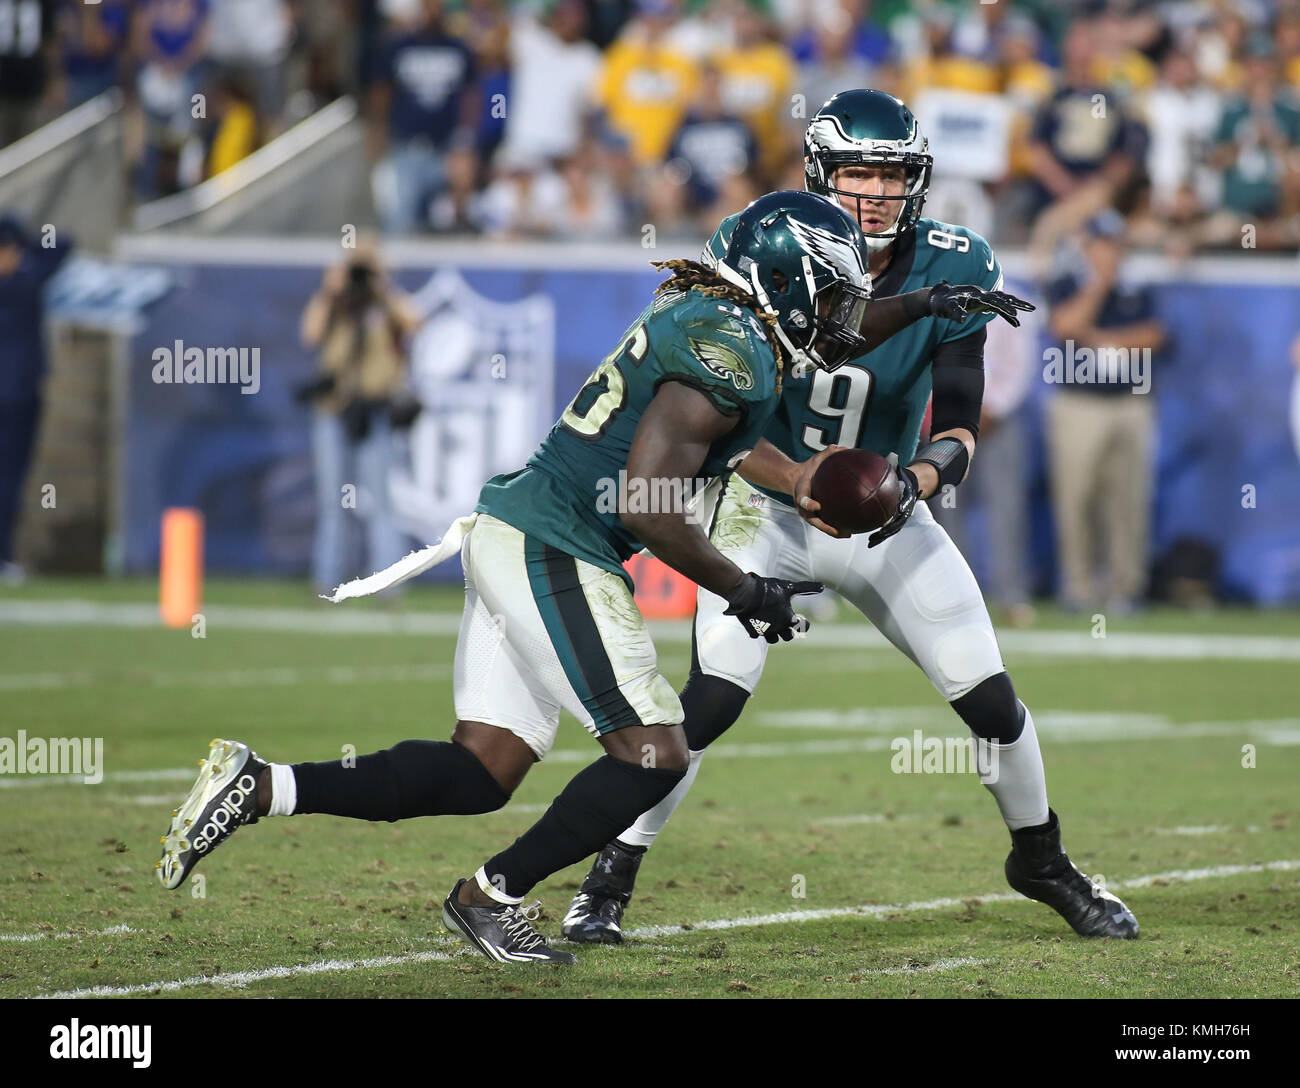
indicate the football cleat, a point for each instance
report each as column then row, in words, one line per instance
column 1038, row 868
column 596, row 913
column 223, row 799
column 502, row 932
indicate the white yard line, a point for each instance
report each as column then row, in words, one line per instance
column 928, row 968
column 239, row 979
column 274, row 677
column 1062, row 726
column 45, row 936
column 861, row 818
column 244, row 978
column 840, row 636
column 878, row 911
column 1279, row 731
column 1205, row 829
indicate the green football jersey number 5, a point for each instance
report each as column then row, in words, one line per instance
column 841, row 398
column 605, row 394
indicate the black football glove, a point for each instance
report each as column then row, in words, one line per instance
column 960, row 301
column 767, row 600
column 908, row 490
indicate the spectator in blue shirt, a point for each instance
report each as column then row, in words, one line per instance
column 1082, row 134
column 1101, row 420
column 170, row 40
column 424, row 112
column 25, row 266
column 710, row 145
column 93, row 37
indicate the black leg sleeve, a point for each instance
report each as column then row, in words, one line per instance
column 712, row 706
column 596, row 805
column 413, row 778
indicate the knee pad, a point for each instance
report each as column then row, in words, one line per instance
column 992, row 711
column 962, row 654
column 712, row 706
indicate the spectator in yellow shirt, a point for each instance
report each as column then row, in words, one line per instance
column 237, row 127
column 1027, row 82
column 1118, row 64
column 941, row 67
column 646, row 85
column 758, row 77
column 1286, row 36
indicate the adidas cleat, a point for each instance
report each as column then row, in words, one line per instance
column 1038, row 868
column 223, row 799
column 596, row 913
column 501, row 932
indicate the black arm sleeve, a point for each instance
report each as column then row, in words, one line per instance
column 957, row 371
column 891, row 314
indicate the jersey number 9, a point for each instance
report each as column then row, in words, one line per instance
column 841, row 399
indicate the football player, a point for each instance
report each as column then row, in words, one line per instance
column 865, row 149
column 549, row 619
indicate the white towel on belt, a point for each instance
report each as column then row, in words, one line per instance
column 409, row 565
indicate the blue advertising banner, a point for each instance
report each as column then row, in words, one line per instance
column 502, row 350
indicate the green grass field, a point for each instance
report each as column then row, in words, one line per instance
column 1143, row 734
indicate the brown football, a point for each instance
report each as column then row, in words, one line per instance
column 857, row 489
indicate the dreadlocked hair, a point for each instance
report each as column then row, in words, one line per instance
column 694, row 276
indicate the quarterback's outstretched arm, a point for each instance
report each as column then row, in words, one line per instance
column 891, row 314
column 884, row 317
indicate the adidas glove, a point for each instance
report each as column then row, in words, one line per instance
column 756, row 600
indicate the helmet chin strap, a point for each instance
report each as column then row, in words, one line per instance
column 877, row 243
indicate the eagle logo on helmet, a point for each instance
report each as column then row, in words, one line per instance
column 835, row 254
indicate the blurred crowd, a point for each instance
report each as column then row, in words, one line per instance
column 579, row 119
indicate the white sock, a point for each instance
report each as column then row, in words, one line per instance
column 643, row 832
column 1021, row 788
column 284, row 790
column 492, row 891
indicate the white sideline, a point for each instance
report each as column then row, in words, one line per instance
column 243, row 978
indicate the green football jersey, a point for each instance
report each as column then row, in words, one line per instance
column 877, row 401
column 574, row 487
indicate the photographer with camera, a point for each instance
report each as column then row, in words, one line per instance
column 360, row 322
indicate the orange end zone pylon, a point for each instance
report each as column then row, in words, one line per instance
column 180, row 568
column 661, row 593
